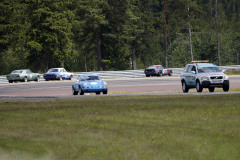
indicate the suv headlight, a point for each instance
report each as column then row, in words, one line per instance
column 104, row 83
column 205, row 78
column 226, row 78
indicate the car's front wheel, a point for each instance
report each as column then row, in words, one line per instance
column 105, row 92
column 199, row 87
column 159, row 74
column 25, row 79
column 38, row 79
column 74, row 92
column 184, row 87
column 226, row 88
column 81, row 91
column 97, row 93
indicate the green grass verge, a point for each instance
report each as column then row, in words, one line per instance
column 233, row 72
column 122, row 127
column 177, row 91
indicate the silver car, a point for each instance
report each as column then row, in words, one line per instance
column 23, row 75
column 203, row 75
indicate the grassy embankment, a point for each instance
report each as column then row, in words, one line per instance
column 232, row 72
column 192, row 90
column 127, row 127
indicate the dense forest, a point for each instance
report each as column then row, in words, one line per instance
column 95, row 35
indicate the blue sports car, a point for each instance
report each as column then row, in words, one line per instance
column 57, row 74
column 89, row 83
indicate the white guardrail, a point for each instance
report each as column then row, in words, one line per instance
column 127, row 73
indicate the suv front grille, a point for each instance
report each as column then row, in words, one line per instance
column 216, row 77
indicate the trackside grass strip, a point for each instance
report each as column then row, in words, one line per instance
column 123, row 128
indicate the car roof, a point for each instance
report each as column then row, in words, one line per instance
column 87, row 75
column 21, row 69
column 154, row 65
column 206, row 64
column 202, row 64
column 56, row 68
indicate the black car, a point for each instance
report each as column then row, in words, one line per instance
column 157, row 70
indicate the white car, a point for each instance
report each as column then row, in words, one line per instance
column 201, row 75
column 57, row 74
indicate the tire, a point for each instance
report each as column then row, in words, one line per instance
column 74, row 92
column 184, row 87
column 70, row 78
column 97, row 93
column 25, row 79
column 147, row 75
column 160, row 73
column 170, row 74
column 10, row 81
column 226, row 88
column 211, row 89
column 38, row 79
column 199, row 87
column 105, row 92
column 81, row 91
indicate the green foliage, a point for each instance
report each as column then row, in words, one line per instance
column 51, row 33
column 179, row 54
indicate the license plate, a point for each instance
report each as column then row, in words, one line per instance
column 217, row 81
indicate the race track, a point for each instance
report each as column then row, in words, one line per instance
column 129, row 86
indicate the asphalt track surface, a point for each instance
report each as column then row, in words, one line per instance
column 116, row 87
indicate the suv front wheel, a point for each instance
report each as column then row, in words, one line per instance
column 184, row 87
column 199, row 87
column 226, row 88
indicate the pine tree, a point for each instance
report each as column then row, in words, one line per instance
column 50, row 34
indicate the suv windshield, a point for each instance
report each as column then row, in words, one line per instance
column 208, row 69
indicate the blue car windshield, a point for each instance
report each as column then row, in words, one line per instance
column 208, row 69
column 89, row 78
column 53, row 70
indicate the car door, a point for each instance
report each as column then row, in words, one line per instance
column 29, row 75
column 193, row 74
column 64, row 72
column 188, row 76
column 162, row 69
column 61, row 73
column 32, row 75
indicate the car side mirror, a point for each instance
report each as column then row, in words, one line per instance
column 193, row 72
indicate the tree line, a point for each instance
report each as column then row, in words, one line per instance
column 91, row 35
